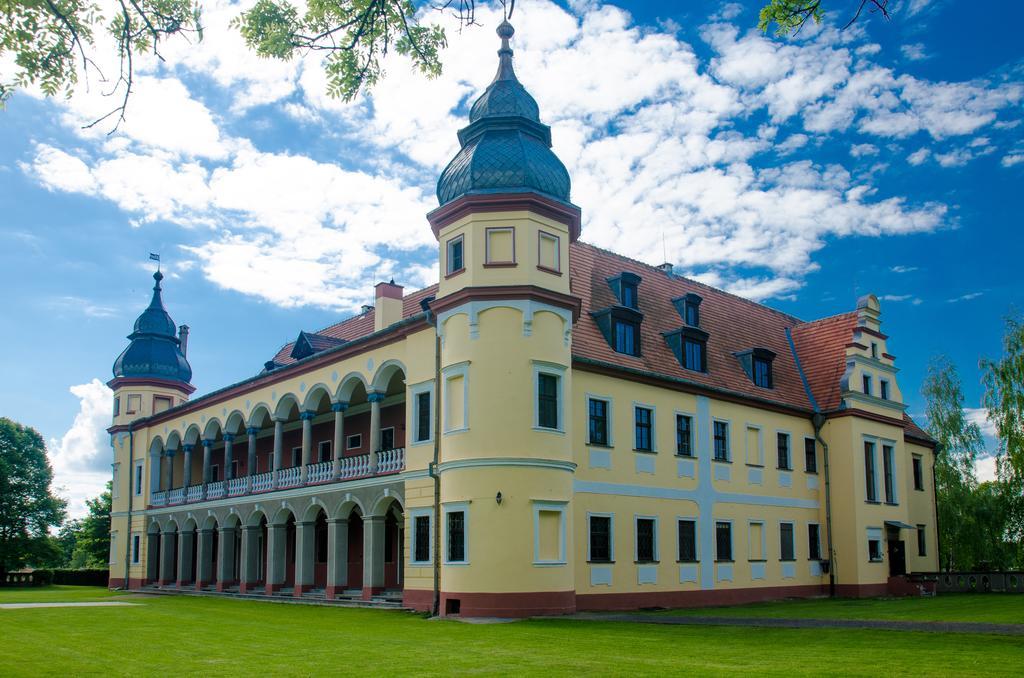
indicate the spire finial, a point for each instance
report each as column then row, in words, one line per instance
column 158, row 276
column 505, row 31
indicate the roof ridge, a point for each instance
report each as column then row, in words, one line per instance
column 834, row 316
column 695, row 282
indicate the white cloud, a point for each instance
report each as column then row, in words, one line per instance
column 1011, row 159
column 791, row 143
column 914, row 52
column 964, row 297
column 903, row 269
column 985, row 468
column 862, row 150
column 81, row 458
column 916, row 301
column 979, row 416
column 919, row 156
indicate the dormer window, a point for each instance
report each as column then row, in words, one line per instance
column 621, row 328
column 625, row 286
column 690, row 347
column 757, row 363
column 626, row 336
column 688, row 307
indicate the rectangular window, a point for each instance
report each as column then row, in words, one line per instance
column 883, row 389
column 874, row 349
column 693, row 355
column 549, row 546
column 548, row 252
column 323, row 451
column 723, row 541
column 625, row 338
column 692, row 314
column 500, row 245
column 787, row 550
column 921, row 550
column 814, row 541
column 629, row 297
column 387, row 438
column 117, row 406
column 136, row 547
column 214, row 473
column 869, row 471
column 643, row 417
column 456, row 536
column 134, row 404
column 354, row 442
column 423, row 416
column 810, row 456
column 866, row 379
column 684, row 435
column 137, row 479
column 754, row 456
column 600, row 539
column 918, row 473
column 721, row 441
column 646, row 549
column 547, row 401
column 234, row 468
column 455, row 262
column 888, row 473
column 597, row 426
column 755, row 548
column 296, row 456
column 421, row 539
column 762, row 373
column 687, row 541
column 455, row 398
column 874, row 550
column 782, row 442
column 161, row 403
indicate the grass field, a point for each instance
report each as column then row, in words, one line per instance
column 966, row 607
column 210, row 636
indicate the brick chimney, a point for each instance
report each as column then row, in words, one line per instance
column 388, row 301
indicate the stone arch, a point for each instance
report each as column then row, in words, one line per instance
column 315, row 396
column 154, row 527
column 314, row 508
column 284, row 406
column 383, row 500
column 235, row 423
column 255, row 517
column 210, row 522
column 232, row 520
column 387, row 370
column 156, row 447
column 189, row 524
column 259, row 417
column 212, row 428
column 346, row 507
column 282, row 514
column 173, row 441
column 171, row 525
column 192, row 434
column 348, row 386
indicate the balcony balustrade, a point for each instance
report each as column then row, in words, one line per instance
column 176, row 496
column 215, row 490
column 236, row 486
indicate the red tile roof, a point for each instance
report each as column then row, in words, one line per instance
column 733, row 323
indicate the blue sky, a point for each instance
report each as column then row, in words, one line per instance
column 802, row 173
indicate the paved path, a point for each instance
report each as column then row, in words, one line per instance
column 26, row 606
column 935, row 627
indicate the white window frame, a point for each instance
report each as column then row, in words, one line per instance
column 448, row 374
column 821, row 545
column 413, row 515
column 319, row 450
column 876, row 450
column 350, row 437
column 792, row 525
column 487, row 245
column 138, row 477
column 554, row 507
column 696, row 538
column 136, row 550
column 393, row 439
column 460, row 238
column 732, row 539
column 115, row 484
column 112, row 560
column 891, row 444
column 555, row 370
column 636, row 539
column 764, row 542
column 803, row 453
column 728, row 440
column 789, row 438
column 694, row 450
column 611, row 419
column 759, row 458
column 415, row 391
column 541, row 235
column 875, row 534
column 654, row 426
column 297, row 455
column 455, row 507
column 884, row 390
column 611, row 536
column 870, row 383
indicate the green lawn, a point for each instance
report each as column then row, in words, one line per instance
column 187, row 636
column 53, row 594
column 965, row 607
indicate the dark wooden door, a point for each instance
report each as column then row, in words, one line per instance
column 897, row 558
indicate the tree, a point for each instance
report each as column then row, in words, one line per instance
column 52, row 42
column 92, row 534
column 28, row 508
column 1004, row 398
column 959, row 442
column 789, row 16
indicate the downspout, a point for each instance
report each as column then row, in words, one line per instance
column 432, row 468
column 818, row 421
column 935, row 508
column 131, row 482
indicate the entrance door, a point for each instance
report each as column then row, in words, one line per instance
column 897, row 558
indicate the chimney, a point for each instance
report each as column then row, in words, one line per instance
column 869, row 312
column 388, row 297
column 183, row 339
column 365, row 309
column 665, row 268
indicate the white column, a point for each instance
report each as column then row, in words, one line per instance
column 375, row 399
column 307, row 442
column 337, row 556
column 186, row 542
column 305, row 556
column 251, row 461
column 277, row 549
column 167, row 540
column 207, row 455
column 229, row 455
column 204, row 558
column 339, row 437
column 278, row 432
column 250, row 558
column 373, row 555
column 226, row 574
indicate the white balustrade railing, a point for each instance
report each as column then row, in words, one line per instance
column 319, row 473
column 195, row 493
column 261, row 482
column 158, row 499
column 289, row 477
column 176, row 496
column 236, row 486
column 215, row 490
column 353, row 467
column 390, row 461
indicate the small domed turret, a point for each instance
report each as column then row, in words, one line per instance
column 505, row 148
column 154, row 352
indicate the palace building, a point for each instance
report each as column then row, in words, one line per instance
column 552, row 427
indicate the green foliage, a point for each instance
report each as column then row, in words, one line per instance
column 356, row 34
column 92, row 534
column 28, row 508
column 789, row 16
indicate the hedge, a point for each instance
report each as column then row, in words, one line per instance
column 66, row 577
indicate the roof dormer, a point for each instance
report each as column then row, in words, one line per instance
column 688, row 308
column 757, row 363
column 626, row 288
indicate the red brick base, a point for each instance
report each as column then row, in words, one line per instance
column 510, row 604
column 273, row 588
column 225, row 585
column 703, row 598
column 861, row 590
column 371, row 591
column 418, row 599
column 302, row 588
